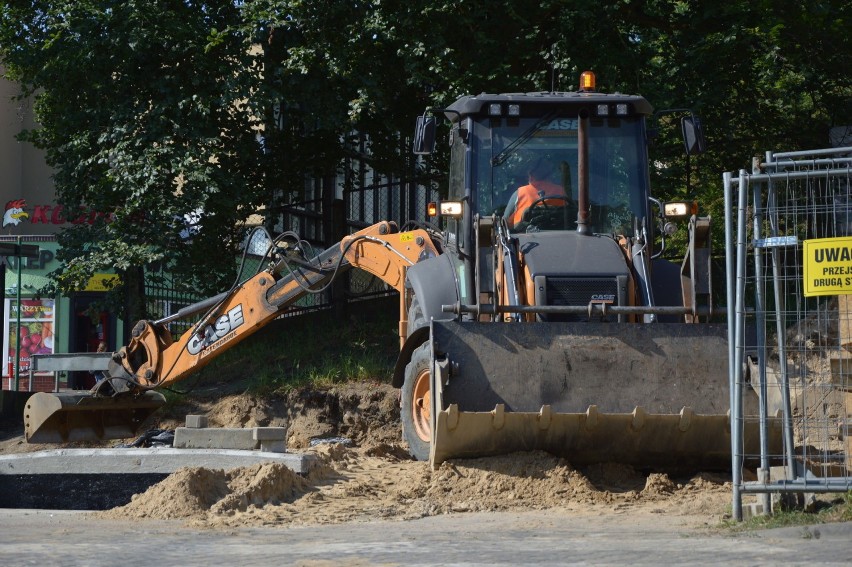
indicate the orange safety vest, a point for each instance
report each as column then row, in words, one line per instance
column 529, row 194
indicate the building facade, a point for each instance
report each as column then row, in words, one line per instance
column 31, row 219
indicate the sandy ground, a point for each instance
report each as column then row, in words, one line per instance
column 354, row 485
column 371, row 477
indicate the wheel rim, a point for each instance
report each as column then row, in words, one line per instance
column 421, row 407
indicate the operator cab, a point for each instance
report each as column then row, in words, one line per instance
column 567, row 175
column 502, row 143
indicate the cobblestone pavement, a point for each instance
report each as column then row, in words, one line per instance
column 44, row 538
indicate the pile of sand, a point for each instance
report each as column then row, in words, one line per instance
column 375, row 478
column 194, row 492
column 367, row 484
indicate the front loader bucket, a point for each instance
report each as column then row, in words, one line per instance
column 73, row 416
column 651, row 396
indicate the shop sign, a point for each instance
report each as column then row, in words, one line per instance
column 17, row 212
column 36, row 332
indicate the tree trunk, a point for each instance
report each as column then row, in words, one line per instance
column 134, row 299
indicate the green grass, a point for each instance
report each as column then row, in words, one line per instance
column 837, row 510
column 316, row 350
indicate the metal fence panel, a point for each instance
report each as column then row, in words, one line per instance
column 163, row 300
column 398, row 201
column 394, row 199
column 789, row 250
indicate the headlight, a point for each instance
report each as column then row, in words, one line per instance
column 448, row 209
column 680, row 209
column 451, row 209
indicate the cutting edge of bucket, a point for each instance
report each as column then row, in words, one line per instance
column 70, row 416
column 671, row 442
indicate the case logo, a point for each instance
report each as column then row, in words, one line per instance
column 217, row 332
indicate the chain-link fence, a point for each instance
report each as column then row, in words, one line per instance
column 789, row 255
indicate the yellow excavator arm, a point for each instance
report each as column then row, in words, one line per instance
column 115, row 407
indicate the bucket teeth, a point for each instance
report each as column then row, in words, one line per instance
column 639, row 415
column 452, row 417
column 545, row 416
column 499, row 416
column 685, row 418
column 684, row 441
column 591, row 417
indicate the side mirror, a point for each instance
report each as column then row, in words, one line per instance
column 424, row 135
column 693, row 135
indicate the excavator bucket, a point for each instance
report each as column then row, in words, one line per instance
column 651, row 396
column 77, row 416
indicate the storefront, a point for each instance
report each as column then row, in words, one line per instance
column 35, row 323
column 48, row 324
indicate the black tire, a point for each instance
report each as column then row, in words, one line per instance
column 416, row 319
column 416, row 403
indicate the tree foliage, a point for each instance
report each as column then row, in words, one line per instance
column 150, row 110
column 142, row 115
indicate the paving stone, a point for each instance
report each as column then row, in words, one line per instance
column 269, row 433
column 196, row 421
column 215, row 438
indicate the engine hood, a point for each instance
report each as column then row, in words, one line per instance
column 570, row 254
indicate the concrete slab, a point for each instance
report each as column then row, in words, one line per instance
column 271, row 439
column 214, row 438
column 99, row 479
column 162, row 460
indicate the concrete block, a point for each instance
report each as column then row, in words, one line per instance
column 215, row 438
column 753, row 510
column 796, row 500
column 778, row 473
column 196, row 421
column 269, row 433
column 841, row 368
column 277, row 446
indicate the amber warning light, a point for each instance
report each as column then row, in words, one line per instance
column 587, row 81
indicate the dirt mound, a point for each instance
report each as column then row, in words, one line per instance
column 197, row 492
column 365, row 473
column 357, row 484
column 366, row 413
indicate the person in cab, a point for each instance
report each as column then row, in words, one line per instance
column 539, row 189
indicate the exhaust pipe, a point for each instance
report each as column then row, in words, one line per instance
column 583, row 224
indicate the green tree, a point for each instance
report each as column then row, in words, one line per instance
column 144, row 116
column 151, row 111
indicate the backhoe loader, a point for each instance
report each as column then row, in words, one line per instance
column 525, row 323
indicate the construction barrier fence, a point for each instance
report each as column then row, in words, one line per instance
column 788, row 230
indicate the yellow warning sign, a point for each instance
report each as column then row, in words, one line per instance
column 102, row 282
column 828, row 266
